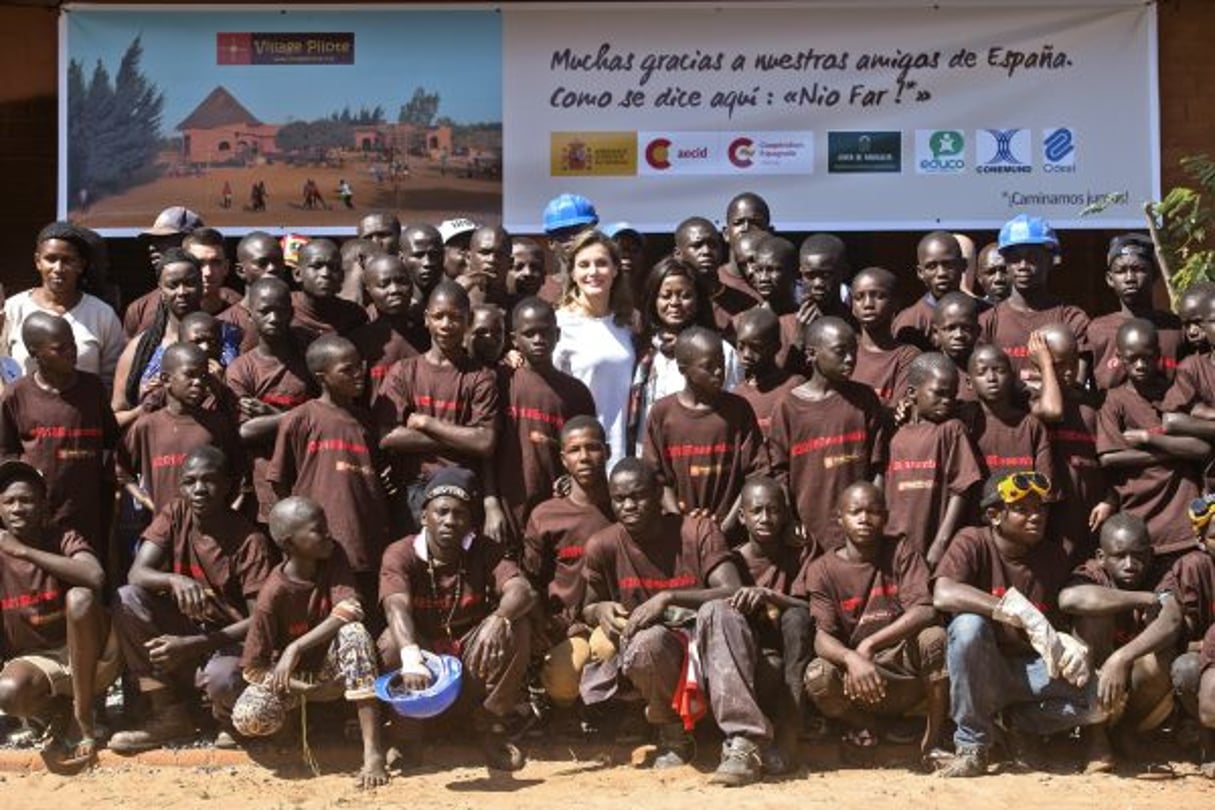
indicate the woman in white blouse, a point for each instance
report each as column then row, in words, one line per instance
column 596, row 345
column 62, row 257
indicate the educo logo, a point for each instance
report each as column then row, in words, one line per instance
column 940, row 151
column 741, row 152
column 658, row 153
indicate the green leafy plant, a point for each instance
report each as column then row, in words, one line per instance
column 1183, row 222
column 1181, row 225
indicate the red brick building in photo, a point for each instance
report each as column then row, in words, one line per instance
column 221, row 129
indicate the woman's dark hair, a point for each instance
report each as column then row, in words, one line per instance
column 81, row 239
column 152, row 337
column 671, row 267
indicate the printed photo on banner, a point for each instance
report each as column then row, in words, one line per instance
column 258, row 119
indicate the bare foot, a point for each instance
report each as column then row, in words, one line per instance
column 374, row 774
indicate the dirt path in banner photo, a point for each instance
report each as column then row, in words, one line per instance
column 423, row 195
column 577, row 777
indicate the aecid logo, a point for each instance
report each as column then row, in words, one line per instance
column 940, row 151
column 658, row 153
column 741, row 152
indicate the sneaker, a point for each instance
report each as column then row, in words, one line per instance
column 225, row 740
column 740, row 763
column 967, row 763
column 675, row 747
column 168, row 726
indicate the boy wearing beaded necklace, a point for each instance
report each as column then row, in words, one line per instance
column 449, row 589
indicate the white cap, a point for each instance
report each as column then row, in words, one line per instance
column 451, row 228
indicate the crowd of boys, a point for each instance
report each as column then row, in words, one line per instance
column 983, row 512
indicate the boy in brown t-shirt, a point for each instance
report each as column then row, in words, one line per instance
column 771, row 565
column 698, row 242
column 451, row 590
column 1132, row 275
column 703, row 441
column 1029, row 247
column 770, row 275
column 765, row 382
column 54, row 652
column 326, row 449
column 553, row 546
column 1153, row 473
column 1070, row 414
column 1131, row 629
column 1192, row 310
column 939, row 267
column 59, row 420
column 151, row 454
column 268, row 381
column 1007, row 436
column 955, row 331
column 829, row 433
column 257, row 254
column 318, row 308
column 438, row 409
column 486, row 339
column 647, row 576
column 183, row 617
column 933, row 465
column 393, row 335
column 822, row 265
column 306, row 637
column 1190, row 403
column 1192, row 579
column 536, row 401
column 880, row 648
column 881, row 360
column 1001, row 584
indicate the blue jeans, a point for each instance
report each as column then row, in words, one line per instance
column 984, row 681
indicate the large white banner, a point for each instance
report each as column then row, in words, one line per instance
column 868, row 115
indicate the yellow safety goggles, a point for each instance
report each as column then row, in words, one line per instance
column 1015, row 486
column 1201, row 510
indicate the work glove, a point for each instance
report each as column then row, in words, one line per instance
column 1015, row 610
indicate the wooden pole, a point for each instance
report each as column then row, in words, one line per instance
column 1161, row 260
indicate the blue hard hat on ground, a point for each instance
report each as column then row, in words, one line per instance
column 1024, row 229
column 569, row 211
column 446, row 673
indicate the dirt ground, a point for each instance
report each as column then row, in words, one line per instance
column 424, row 195
column 585, row 777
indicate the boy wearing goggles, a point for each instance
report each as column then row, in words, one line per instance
column 1001, row 583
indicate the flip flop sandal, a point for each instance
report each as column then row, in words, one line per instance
column 78, row 753
column 1159, row 770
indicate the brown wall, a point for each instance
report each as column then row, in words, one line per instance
column 28, row 121
column 28, row 142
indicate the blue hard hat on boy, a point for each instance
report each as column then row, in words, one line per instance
column 1024, row 229
column 569, row 211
